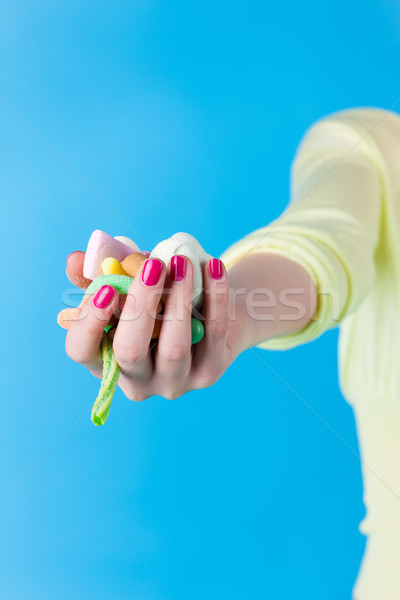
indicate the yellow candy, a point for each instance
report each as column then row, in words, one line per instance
column 111, row 266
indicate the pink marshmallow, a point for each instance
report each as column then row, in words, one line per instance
column 101, row 246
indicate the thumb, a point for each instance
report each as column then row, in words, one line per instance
column 75, row 270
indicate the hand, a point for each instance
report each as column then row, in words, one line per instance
column 170, row 366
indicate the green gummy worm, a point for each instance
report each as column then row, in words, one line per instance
column 101, row 407
column 121, row 283
column 109, row 381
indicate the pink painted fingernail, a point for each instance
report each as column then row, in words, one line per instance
column 178, row 268
column 216, row 270
column 104, row 296
column 151, row 271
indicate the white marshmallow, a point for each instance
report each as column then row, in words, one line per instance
column 186, row 244
column 127, row 241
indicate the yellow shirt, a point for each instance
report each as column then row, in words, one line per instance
column 342, row 225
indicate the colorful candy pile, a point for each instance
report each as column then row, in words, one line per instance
column 115, row 262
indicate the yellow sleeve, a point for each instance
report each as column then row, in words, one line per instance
column 331, row 224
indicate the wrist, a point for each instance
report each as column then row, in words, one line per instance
column 271, row 296
column 240, row 323
column 253, row 328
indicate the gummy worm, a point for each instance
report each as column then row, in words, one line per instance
column 101, row 407
column 109, row 381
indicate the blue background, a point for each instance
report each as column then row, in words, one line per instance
column 180, row 116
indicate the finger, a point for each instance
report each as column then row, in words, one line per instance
column 83, row 339
column 75, row 270
column 173, row 355
column 133, row 336
column 209, row 353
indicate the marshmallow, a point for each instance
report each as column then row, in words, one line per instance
column 127, row 241
column 101, row 246
column 186, row 244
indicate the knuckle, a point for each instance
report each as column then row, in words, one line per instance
column 135, row 395
column 171, row 394
column 206, row 379
column 174, row 354
column 220, row 298
column 127, row 355
column 203, row 382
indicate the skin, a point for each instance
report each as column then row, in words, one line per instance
column 236, row 317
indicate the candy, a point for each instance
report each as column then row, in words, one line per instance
column 67, row 316
column 132, row 263
column 109, row 382
column 100, row 246
column 197, row 331
column 186, row 244
column 121, row 283
column 127, row 241
column 110, row 261
column 111, row 266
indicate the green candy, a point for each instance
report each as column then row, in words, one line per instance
column 109, row 382
column 197, row 331
column 101, row 407
column 121, row 283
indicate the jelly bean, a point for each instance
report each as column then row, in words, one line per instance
column 132, row 263
column 111, row 266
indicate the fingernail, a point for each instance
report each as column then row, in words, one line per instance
column 104, row 296
column 151, row 271
column 178, row 268
column 216, row 270
column 69, row 255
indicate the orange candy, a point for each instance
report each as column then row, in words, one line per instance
column 132, row 263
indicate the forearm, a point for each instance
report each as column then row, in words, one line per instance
column 274, row 295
